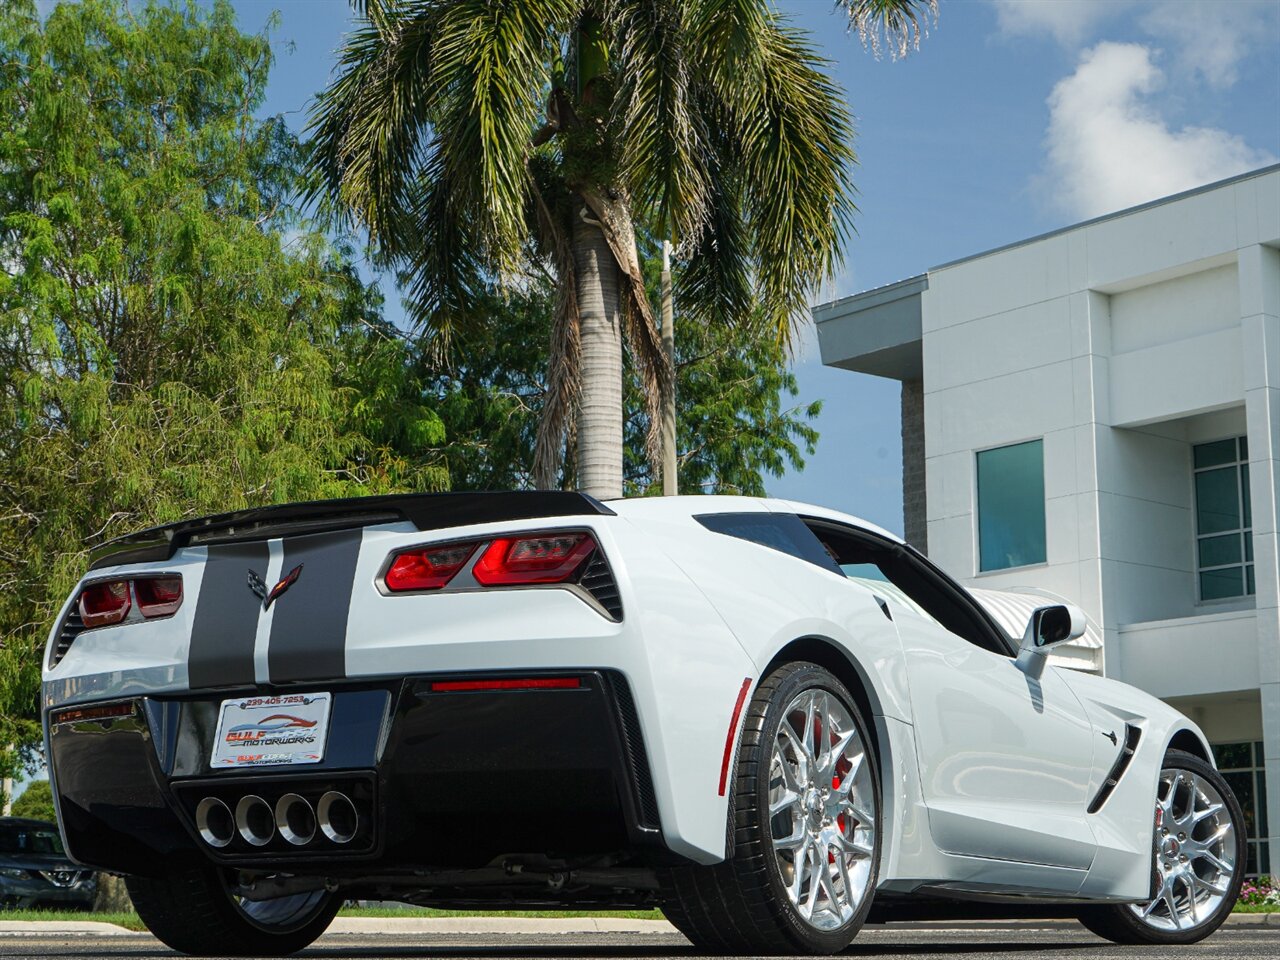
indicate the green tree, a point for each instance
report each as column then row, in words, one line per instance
column 472, row 136
column 36, row 802
column 732, row 390
column 175, row 338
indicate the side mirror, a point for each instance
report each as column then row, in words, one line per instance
column 1048, row 627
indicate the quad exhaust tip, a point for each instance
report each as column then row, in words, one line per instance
column 255, row 820
column 295, row 819
column 214, row 821
column 337, row 817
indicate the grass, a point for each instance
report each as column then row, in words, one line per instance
column 130, row 921
column 1255, row 908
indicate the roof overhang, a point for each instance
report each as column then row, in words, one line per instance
column 876, row 332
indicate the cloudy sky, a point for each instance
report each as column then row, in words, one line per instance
column 1015, row 117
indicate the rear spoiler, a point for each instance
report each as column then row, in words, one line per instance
column 426, row 511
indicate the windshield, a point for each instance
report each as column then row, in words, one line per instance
column 25, row 839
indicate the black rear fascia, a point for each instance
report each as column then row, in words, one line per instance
column 426, row 511
column 395, row 742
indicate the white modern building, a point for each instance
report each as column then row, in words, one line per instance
column 1096, row 412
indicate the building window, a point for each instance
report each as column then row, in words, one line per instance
column 1242, row 766
column 1224, row 519
column 1011, row 506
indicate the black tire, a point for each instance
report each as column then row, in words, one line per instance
column 1118, row 922
column 193, row 912
column 741, row 906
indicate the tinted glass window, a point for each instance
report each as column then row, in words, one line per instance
column 1224, row 521
column 14, row 839
column 779, row 531
column 1011, row 506
column 866, row 557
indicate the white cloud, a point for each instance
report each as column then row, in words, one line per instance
column 1108, row 148
column 1070, row 22
column 1211, row 37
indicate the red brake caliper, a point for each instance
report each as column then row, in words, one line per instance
column 841, row 769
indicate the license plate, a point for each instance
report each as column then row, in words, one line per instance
column 272, row 731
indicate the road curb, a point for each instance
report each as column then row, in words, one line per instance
column 41, row 928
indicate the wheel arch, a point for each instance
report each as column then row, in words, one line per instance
column 831, row 656
column 1192, row 742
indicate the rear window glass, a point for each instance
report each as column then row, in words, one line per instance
column 16, row 839
column 779, row 531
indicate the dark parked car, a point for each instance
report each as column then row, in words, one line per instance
column 36, row 872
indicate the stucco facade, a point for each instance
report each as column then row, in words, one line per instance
column 1139, row 355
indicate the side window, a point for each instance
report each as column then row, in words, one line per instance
column 1011, row 526
column 778, row 531
column 930, row 591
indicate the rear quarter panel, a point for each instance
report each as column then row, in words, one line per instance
column 767, row 599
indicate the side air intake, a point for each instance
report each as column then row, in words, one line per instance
column 1131, row 737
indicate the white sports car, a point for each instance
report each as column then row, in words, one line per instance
column 758, row 715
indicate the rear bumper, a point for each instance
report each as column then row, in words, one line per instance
column 442, row 779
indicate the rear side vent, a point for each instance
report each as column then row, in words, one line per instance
column 70, row 628
column 1131, row 737
column 598, row 581
column 633, row 745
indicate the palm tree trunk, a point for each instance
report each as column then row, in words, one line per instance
column 599, row 423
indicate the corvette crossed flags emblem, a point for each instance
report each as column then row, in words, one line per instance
column 268, row 597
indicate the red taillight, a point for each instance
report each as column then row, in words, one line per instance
column 102, row 604
column 427, row 569
column 80, row 714
column 544, row 558
column 158, row 596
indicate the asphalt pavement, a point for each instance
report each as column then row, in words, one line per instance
column 1050, row 942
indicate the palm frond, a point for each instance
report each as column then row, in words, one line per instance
column 896, row 24
column 445, row 274
column 794, row 143
column 727, row 39
column 368, row 125
column 661, row 138
column 490, row 66
column 715, row 284
column 453, row 85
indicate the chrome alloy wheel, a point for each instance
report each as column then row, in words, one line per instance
column 281, row 914
column 822, row 809
column 1195, row 853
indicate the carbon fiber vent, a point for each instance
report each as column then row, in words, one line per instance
column 598, row 581
column 637, row 757
column 1131, row 737
column 70, row 628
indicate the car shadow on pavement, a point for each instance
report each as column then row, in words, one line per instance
column 596, row 952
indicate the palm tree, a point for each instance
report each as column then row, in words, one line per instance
column 473, row 136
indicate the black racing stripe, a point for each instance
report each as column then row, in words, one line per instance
column 309, row 626
column 226, row 619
